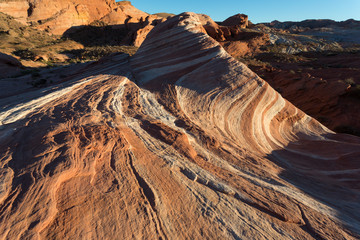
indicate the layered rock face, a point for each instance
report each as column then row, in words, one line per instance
column 324, row 87
column 60, row 15
column 180, row 141
column 17, row 9
column 232, row 36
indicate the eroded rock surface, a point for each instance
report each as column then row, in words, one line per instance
column 58, row 16
column 233, row 36
column 180, row 141
column 238, row 20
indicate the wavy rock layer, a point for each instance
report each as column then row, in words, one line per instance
column 179, row 142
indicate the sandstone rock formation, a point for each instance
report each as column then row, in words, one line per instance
column 123, row 13
column 236, row 41
column 180, row 141
column 238, row 20
column 9, row 66
column 343, row 32
column 17, row 9
column 60, row 15
column 324, row 85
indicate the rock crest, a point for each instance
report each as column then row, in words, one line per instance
column 180, row 141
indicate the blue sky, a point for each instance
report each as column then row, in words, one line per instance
column 258, row 10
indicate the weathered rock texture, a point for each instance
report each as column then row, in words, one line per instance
column 238, row 20
column 232, row 36
column 179, row 142
column 60, row 15
column 325, row 86
column 18, row 9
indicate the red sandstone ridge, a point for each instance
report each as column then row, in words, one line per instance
column 320, row 84
column 231, row 34
column 59, row 15
column 238, row 20
column 179, row 141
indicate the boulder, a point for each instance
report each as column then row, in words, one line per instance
column 211, row 27
column 238, row 20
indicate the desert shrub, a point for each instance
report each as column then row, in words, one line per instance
column 97, row 34
column 251, row 61
column 281, row 57
column 95, row 53
column 49, row 63
column 275, row 48
column 25, row 54
column 350, row 81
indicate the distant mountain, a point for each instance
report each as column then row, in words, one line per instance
column 312, row 24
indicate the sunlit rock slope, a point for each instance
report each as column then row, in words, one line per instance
column 180, row 141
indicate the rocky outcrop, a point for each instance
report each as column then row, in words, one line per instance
column 346, row 33
column 323, row 85
column 17, row 9
column 313, row 24
column 238, row 20
column 58, row 16
column 124, row 13
column 139, row 35
column 234, row 39
column 179, row 141
column 245, row 44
